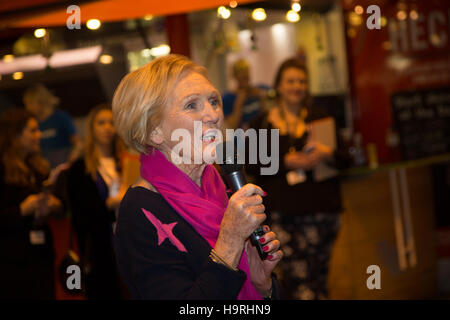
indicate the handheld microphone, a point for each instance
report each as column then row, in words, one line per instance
column 235, row 179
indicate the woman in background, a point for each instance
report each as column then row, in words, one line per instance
column 304, row 211
column 26, row 245
column 60, row 142
column 94, row 188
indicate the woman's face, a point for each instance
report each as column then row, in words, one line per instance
column 194, row 98
column 293, row 86
column 30, row 138
column 103, row 128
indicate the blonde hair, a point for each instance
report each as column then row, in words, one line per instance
column 41, row 95
column 91, row 156
column 142, row 95
column 240, row 65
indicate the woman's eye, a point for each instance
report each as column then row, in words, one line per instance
column 190, row 106
column 215, row 102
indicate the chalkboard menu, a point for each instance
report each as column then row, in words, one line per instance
column 422, row 119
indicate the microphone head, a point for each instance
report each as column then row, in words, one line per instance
column 227, row 157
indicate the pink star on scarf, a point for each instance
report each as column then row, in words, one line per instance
column 164, row 231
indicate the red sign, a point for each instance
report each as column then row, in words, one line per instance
column 409, row 53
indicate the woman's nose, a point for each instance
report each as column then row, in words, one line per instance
column 212, row 114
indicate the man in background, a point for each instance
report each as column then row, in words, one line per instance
column 246, row 102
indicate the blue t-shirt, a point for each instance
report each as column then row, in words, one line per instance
column 56, row 132
column 250, row 109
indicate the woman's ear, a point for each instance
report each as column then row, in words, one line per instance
column 157, row 136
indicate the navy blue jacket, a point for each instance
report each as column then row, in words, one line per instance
column 162, row 271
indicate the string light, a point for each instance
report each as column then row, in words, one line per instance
column 233, row 4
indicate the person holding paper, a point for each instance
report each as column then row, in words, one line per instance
column 304, row 198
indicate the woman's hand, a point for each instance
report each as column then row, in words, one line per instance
column 261, row 270
column 308, row 160
column 31, row 204
column 320, row 151
column 48, row 204
column 245, row 212
column 301, row 160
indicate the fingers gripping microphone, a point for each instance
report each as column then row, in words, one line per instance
column 235, row 179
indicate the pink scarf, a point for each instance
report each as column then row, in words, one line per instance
column 202, row 207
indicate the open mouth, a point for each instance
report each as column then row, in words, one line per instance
column 209, row 136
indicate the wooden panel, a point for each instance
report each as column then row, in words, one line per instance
column 367, row 238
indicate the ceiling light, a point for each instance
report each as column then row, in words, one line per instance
column 359, row 10
column 223, row 12
column 106, row 59
column 296, row 6
column 292, row 16
column 8, row 58
column 93, row 24
column 17, row 75
column 259, row 14
column 39, row 33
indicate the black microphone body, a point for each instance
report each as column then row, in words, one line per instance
column 236, row 180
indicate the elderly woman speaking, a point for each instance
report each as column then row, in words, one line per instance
column 178, row 235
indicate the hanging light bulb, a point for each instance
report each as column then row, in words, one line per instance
column 259, row 14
